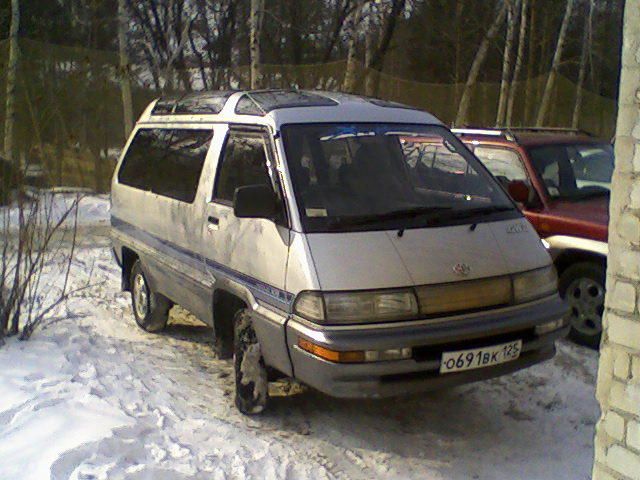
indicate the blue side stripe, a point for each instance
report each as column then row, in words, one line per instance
column 261, row 290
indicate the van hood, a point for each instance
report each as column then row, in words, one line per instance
column 382, row 259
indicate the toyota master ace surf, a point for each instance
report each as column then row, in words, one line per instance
column 353, row 244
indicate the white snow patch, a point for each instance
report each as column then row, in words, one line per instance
column 48, row 413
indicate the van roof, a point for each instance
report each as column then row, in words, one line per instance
column 279, row 107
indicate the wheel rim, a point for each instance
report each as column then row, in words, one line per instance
column 140, row 296
column 585, row 297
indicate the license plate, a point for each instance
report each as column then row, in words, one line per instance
column 480, row 357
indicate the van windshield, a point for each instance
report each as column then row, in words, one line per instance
column 364, row 176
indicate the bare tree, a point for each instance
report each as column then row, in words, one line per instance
column 255, row 20
column 478, row 61
column 125, row 67
column 555, row 65
column 12, row 70
column 522, row 40
column 586, row 48
column 343, row 11
column 506, row 64
column 162, row 36
column 37, row 235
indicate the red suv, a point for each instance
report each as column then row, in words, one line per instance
column 562, row 179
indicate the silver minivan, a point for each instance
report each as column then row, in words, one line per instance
column 350, row 243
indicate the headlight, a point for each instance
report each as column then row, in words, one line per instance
column 534, row 284
column 356, row 307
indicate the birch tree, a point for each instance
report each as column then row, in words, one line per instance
column 555, row 65
column 255, row 20
column 349, row 83
column 586, row 48
column 522, row 39
column 12, row 71
column 506, row 65
column 369, row 44
column 125, row 67
column 478, row 61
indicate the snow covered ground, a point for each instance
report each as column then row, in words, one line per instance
column 91, row 396
column 93, row 211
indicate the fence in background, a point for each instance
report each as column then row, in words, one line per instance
column 70, row 121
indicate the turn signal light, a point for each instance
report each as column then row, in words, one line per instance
column 331, row 355
column 357, row 356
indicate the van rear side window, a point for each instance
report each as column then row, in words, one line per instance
column 166, row 162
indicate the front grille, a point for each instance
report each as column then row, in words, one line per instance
column 434, row 352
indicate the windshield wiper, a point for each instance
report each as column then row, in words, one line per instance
column 475, row 212
column 359, row 220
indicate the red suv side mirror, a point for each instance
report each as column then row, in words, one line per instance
column 519, row 191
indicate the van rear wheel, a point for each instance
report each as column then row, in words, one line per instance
column 582, row 287
column 252, row 386
column 150, row 309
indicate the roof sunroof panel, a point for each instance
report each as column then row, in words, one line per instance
column 268, row 100
column 206, row 103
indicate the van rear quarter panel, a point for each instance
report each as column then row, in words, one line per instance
column 164, row 233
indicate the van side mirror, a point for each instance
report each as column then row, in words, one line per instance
column 519, row 191
column 255, row 201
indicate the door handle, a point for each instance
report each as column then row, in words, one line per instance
column 213, row 220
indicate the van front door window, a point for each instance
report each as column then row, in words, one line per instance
column 244, row 163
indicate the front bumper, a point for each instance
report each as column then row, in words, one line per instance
column 428, row 338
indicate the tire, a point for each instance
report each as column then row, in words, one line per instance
column 150, row 309
column 582, row 286
column 223, row 347
column 252, row 386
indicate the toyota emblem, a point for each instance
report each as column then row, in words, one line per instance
column 462, row 269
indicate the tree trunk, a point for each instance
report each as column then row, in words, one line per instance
column 506, row 65
column 531, row 84
column 557, row 56
column 342, row 13
column 377, row 59
column 478, row 61
column 349, row 83
column 369, row 42
column 125, row 81
column 12, row 71
column 255, row 20
column 586, row 48
column 459, row 45
column 522, row 39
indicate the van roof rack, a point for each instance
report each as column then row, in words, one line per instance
column 258, row 102
column 509, row 133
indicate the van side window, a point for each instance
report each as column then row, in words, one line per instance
column 244, row 163
column 166, row 162
column 503, row 164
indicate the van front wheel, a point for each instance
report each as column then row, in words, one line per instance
column 150, row 309
column 252, row 386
